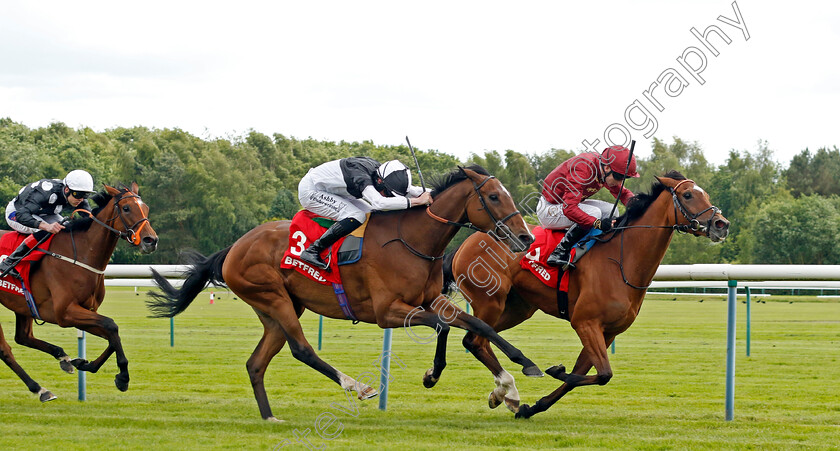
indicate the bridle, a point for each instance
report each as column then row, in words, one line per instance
column 500, row 229
column 693, row 225
column 131, row 235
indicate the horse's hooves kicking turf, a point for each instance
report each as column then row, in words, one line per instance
column 532, row 371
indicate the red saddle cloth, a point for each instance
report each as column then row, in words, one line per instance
column 302, row 232
column 545, row 241
column 8, row 243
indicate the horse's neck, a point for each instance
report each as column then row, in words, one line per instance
column 644, row 248
column 435, row 235
column 93, row 246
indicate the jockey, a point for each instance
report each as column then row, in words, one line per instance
column 564, row 202
column 348, row 188
column 35, row 211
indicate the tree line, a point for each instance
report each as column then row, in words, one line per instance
column 206, row 193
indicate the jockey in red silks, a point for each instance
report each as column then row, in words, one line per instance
column 346, row 189
column 565, row 196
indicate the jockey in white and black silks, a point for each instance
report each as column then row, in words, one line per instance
column 37, row 208
column 346, row 189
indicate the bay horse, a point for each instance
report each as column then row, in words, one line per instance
column 68, row 284
column 605, row 291
column 396, row 283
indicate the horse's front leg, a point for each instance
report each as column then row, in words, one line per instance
column 594, row 353
column 101, row 326
column 24, row 336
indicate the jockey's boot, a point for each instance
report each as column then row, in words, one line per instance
column 560, row 255
column 7, row 266
column 339, row 229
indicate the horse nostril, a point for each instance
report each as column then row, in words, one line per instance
column 526, row 239
column 150, row 240
column 721, row 224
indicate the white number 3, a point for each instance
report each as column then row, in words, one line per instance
column 297, row 248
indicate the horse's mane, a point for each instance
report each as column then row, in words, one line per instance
column 637, row 206
column 83, row 221
column 440, row 183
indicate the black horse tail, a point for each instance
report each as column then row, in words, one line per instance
column 449, row 285
column 203, row 270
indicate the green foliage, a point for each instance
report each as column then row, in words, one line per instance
column 795, row 231
column 204, row 194
column 815, row 174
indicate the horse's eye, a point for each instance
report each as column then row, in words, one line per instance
column 494, row 197
column 687, row 195
column 126, row 208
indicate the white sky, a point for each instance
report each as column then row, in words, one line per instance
column 455, row 76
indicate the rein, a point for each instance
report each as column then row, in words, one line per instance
column 693, row 225
column 129, row 235
column 500, row 226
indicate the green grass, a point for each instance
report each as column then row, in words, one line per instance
column 667, row 391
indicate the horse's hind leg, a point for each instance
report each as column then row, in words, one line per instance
column 513, row 314
column 460, row 319
column 9, row 359
column 271, row 343
column 24, row 336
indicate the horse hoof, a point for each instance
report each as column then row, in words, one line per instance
column 512, row 404
column 67, row 366
column 274, row 420
column 367, row 393
column 47, row 396
column 532, row 371
column 494, row 400
column 428, row 380
column 121, row 381
column 557, row 372
column 523, row 412
column 80, row 364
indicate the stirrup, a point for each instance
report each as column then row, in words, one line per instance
column 12, row 272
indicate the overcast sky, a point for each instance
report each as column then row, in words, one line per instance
column 459, row 77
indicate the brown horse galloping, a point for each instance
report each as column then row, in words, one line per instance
column 395, row 284
column 68, row 293
column 605, row 291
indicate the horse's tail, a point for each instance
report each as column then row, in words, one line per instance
column 202, row 271
column 448, row 277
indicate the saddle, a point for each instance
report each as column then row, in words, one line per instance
column 545, row 240
column 8, row 243
column 307, row 227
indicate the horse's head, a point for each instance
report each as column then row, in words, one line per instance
column 129, row 217
column 492, row 209
column 694, row 209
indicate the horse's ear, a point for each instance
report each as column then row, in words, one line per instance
column 667, row 181
column 135, row 188
column 111, row 190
